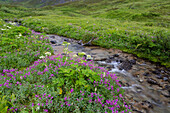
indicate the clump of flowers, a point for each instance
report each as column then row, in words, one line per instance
column 55, row 84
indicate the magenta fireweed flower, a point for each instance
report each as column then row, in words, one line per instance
column 71, row 90
column 65, row 98
column 45, row 110
column 38, row 104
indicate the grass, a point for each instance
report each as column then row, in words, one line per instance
column 20, row 47
column 138, row 27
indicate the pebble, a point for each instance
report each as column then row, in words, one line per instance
column 152, row 81
column 133, row 62
column 165, row 79
column 116, row 55
column 156, row 72
column 146, row 74
column 159, row 76
column 52, row 37
column 140, row 80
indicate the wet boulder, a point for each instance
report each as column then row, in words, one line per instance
column 126, row 65
column 53, row 42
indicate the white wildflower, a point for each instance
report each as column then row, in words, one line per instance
column 8, row 27
column 12, row 23
column 95, row 89
column 48, row 53
column 20, row 35
column 42, row 56
column 38, row 108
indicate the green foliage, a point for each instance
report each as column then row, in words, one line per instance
column 3, row 105
column 19, row 47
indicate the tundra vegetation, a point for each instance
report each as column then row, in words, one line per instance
column 33, row 80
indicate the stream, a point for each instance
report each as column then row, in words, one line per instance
column 146, row 84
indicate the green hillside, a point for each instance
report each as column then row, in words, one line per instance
column 141, row 27
column 34, row 3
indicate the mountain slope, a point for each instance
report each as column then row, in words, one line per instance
column 34, row 3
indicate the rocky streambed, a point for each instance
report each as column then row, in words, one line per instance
column 147, row 85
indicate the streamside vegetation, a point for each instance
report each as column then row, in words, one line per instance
column 33, row 80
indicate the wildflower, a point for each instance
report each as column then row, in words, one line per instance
column 45, row 110
column 96, row 89
column 71, row 90
column 20, row 35
column 60, row 91
column 8, row 27
column 42, row 56
column 48, row 53
column 120, row 95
